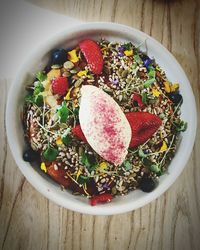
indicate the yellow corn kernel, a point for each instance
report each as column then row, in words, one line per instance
column 128, row 52
column 164, row 147
column 167, row 87
column 54, row 73
column 59, row 141
column 73, row 56
column 155, row 92
column 43, row 167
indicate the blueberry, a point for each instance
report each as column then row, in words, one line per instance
column 30, row 155
column 176, row 98
column 147, row 184
column 59, row 56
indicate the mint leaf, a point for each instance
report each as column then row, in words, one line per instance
column 144, row 98
column 152, row 72
column 128, row 46
column 137, row 59
column 83, row 179
column 63, row 113
column 41, row 76
column 50, row 154
column 38, row 100
column 180, row 126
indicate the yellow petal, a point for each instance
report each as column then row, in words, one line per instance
column 155, row 92
column 43, row 167
column 167, row 87
column 128, row 52
column 164, row 147
column 68, row 97
column 54, row 73
column 82, row 73
column 73, row 56
column 78, row 174
column 59, row 141
column 102, row 166
column 174, row 87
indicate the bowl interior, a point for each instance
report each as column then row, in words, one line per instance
column 69, row 39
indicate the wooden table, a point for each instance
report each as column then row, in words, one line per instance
column 30, row 221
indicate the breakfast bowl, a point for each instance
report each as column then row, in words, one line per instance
column 69, row 39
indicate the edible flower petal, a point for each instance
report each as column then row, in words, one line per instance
column 164, row 147
column 155, row 92
column 82, row 73
column 68, row 97
column 59, row 141
column 78, row 173
column 43, row 167
column 54, row 73
column 102, row 166
column 128, row 52
column 174, row 87
column 167, row 87
column 73, row 56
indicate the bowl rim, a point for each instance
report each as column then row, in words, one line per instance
column 43, row 186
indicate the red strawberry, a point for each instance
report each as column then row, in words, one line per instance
column 58, row 175
column 143, row 126
column 77, row 131
column 93, row 55
column 60, row 85
column 101, row 198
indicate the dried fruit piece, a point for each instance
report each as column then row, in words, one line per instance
column 93, row 55
column 138, row 100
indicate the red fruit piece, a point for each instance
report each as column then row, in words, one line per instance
column 101, row 198
column 60, row 85
column 59, row 175
column 138, row 99
column 93, row 55
column 77, row 131
column 143, row 126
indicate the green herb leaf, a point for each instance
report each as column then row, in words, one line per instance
column 155, row 168
column 50, row 154
column 137, row 59
column 63, row 113
column 83, row 179
column 29, row 98
column 89, row 161
column 147, row 162
column 180, row 126
column 76, row 114
column 144, row 98
column 149, row 82
column 127, row 165
column 128, row 46
column 41, row 76
column 66, row 139
column 38, row 100
column 38, row 89
column 141, row 153
column 152, row 72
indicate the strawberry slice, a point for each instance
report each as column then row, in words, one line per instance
column 93, row 55
column 143, row 126
column 58, row 175
column 77, row 131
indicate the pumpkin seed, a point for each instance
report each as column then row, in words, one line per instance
column 68, row 65
column 78, row 82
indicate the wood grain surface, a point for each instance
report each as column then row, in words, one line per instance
column 30, row 221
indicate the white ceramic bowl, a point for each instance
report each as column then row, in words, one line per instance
column 38, row 60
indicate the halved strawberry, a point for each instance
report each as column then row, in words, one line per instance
column 77, row 131
column 93, row 55
column 143, row 126
column 59, row 175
